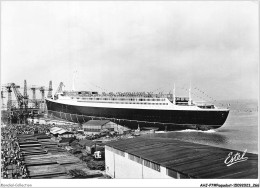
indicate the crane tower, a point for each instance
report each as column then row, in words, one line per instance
column 33, row 88
column 25, row 96
column 50, row 90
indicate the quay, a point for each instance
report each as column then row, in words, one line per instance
column 26, row 154
column 169, row 158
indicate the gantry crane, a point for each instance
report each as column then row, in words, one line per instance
column 50, row 90
column 10, row 87
column 38, row 102
column 23, row 100
column 9, row 100
column 42, row 90
column 33, row 88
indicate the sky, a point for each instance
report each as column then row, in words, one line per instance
column 133, row 46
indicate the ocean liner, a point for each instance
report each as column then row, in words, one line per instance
column 133, row 110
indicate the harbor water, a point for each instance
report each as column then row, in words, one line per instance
column 240, row 131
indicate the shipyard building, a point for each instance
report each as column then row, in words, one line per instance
column 157, row 158
column 98, row 126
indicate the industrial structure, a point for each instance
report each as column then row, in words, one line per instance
column 18, row 110
column 158, row 158
column 98, row 126
column 50, row 90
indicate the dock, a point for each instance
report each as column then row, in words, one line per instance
column 44, row 159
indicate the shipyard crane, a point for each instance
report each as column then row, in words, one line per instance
column 59, row 90
column 12, row 102
column 20, row 100
column 9, row 99
column 10, row 87
column 23, row 100
column 18, row 95
column 33, row 88
column 2, row 97
column 42, row 90
column 6, row 116
column 50, row 90
column 38, row 102
column 25, row 96
column 34, row 101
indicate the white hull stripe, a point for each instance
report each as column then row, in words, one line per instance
column 170, row 106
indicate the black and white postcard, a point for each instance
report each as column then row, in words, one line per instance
column 129, row 93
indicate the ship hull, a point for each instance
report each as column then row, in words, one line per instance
column 132, row 118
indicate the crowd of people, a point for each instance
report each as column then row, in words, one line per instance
column 12, row 165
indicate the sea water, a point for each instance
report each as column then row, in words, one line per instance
column 240, row 131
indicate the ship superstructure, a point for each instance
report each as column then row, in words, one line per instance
column 164, row 111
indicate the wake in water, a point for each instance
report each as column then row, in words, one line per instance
column 239, row 132
column 193, row 130
column 188, row 130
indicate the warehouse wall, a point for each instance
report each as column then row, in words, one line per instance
column 109, row 160
column 128, row 169
column 153, row 174
column 118, row 166
column 121, row 167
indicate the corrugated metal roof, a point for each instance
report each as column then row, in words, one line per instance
column 190, row 159
column 96, row 122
